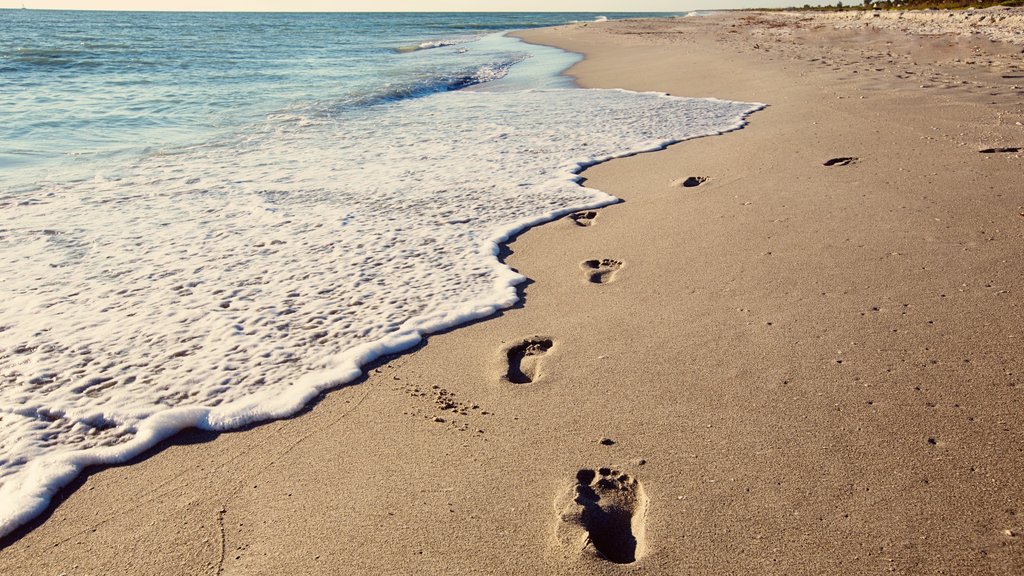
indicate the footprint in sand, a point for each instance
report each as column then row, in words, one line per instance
column 524, row 359
column 584, row 218
column 843, row 161
column 1005, row 150
column 606, row 509
column 694, row 181
column 601, row 271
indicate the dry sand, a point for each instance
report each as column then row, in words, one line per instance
column 790, row 368
column 996, row 23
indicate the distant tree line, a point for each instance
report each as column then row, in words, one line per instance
column 917, row 5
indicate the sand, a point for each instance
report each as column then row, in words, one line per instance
column 996, row 23
column 807, row 363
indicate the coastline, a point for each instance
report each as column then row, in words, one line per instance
column 744, row 351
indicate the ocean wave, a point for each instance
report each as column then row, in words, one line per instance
column 50, row 58
column 304, row 115
column 88, row 57
column 596, row 19
column 441, row 43
column 417, row 87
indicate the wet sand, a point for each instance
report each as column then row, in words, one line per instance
column 792, row 349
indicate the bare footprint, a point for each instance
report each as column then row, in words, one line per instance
column 524, row 359
column 694, row 181
column 843, row 161
column 601, row 271
column 606, row 509
column 584, row 218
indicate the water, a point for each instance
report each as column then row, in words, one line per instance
column 208, row 219
column 82, row 90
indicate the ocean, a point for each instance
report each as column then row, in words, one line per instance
column 206, row 220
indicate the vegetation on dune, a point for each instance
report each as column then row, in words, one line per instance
column 916, row 5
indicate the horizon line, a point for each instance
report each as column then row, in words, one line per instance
column 364, row 11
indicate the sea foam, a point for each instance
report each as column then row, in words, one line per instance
column 438, row 43
column 232, row 282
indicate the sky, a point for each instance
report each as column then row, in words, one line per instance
column 398, row 5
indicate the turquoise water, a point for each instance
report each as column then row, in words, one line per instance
column 82, row 91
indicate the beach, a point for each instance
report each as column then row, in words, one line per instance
column 792, row 348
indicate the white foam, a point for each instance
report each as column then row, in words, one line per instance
column 231, row 283
column 441, row 43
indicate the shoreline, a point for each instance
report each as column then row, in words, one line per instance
column 740, row 359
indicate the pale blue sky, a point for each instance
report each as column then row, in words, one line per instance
column 399, row 5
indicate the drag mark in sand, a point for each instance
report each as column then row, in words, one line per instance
column 601, row 271
column 523, row 359
column 223, row 541
column 606, row 509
